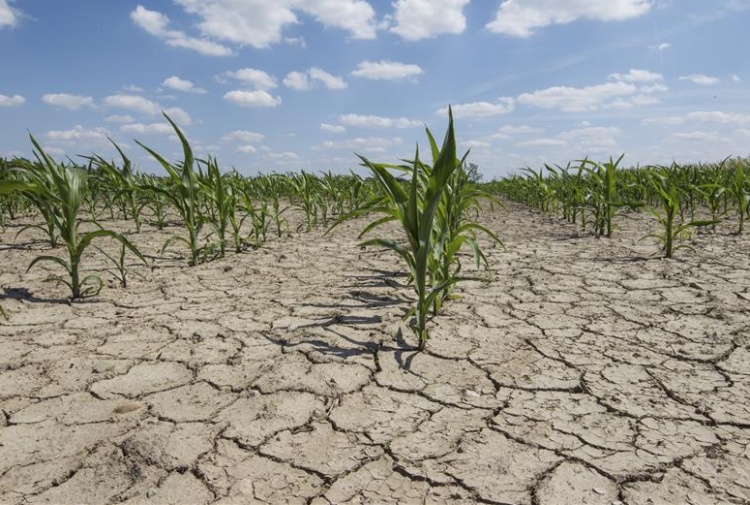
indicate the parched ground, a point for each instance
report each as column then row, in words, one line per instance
column 583, row 373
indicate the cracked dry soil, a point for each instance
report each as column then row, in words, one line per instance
column 584, row 373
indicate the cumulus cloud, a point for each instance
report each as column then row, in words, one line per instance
column 700, row 79
column 520, row 130
column 183, row 85
column 698, row 136
column 257, row 98
column 713, row 116
column 145, row 106
column 157, row 24
column 243, row 136
column 247, row 149
column 332, row 128
column 67, row 101
column 521, row 18
column 77, row 133
column 637, row 75
column 387, row 70
column 306, row 80
column 627, row 91
column 258, row 79
column 140, row 128
column 120, row 118
column 11, row 101
column 423, row 19
column 504, row 105
column 363, row 143
column 261, row 23
column 8, row 15
column 361, row 121
column 297, row 80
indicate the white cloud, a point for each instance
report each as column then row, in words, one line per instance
column 120, row 118
column 7, row 15
column 387, row 70
column 505, row 105
column 578, row 99
column 475, row 144
column 296, row 41
column 520, row 18
column 11, row 101
column 297, row 80
column 714, row 116
column 260, row 23
column 132, row 102
column 254, row 77
column 423, row 19
column 140, row 128
column 700, row 79
column 363, row 143
column 145, row 106
column 257, row 98
column 735, row 78
column 78, row 132
column 661, row 47
column 330, row 81
column 183, row 85
column 302, row 81
column 520, row 130
column 67, row 101
column 592, row 138
column 157, row 24
column 544, row 142
column 54, row 151
column 332, row 128
column 132, row 88
column 247, row 149
column 698, row 136
column 357, row 120
column 243, row 136
column 283, row 156
column 636, row 75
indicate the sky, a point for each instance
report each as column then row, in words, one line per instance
column 282, row 85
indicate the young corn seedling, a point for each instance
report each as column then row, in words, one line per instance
column 416, row 209
column 64, row 198
column 185, row 195
column 671, row 231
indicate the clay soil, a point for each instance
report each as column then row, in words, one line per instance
column 584, row 372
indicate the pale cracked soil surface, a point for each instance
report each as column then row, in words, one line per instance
column 584, row 373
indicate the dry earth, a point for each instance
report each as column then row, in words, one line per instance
column 584, row 373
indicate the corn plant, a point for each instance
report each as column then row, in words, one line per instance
column 122, row 185
column 184, row 195
column 64, row 192
column 417, row 208
column 221, row 202
column 738, row 188
column 664, row 183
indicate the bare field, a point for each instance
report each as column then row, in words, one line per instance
column 584, row 373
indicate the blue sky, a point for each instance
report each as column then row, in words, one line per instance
column 275, row 85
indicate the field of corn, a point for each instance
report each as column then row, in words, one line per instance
column 571, row 335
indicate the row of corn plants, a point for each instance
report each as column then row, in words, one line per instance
column 681, row 197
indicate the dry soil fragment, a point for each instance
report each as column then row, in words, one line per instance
column 244, row 477
column 252, row 420
column 143, row 379
column 176, row 489
column 69, row 409
column 105, row 474
column 381, row 413
column 377, row 482
column 574, row 484
column 675, row 487
column 496, row 467
column 194, row 402
column 321, row 449
column 169, row 446
column 295, row 372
